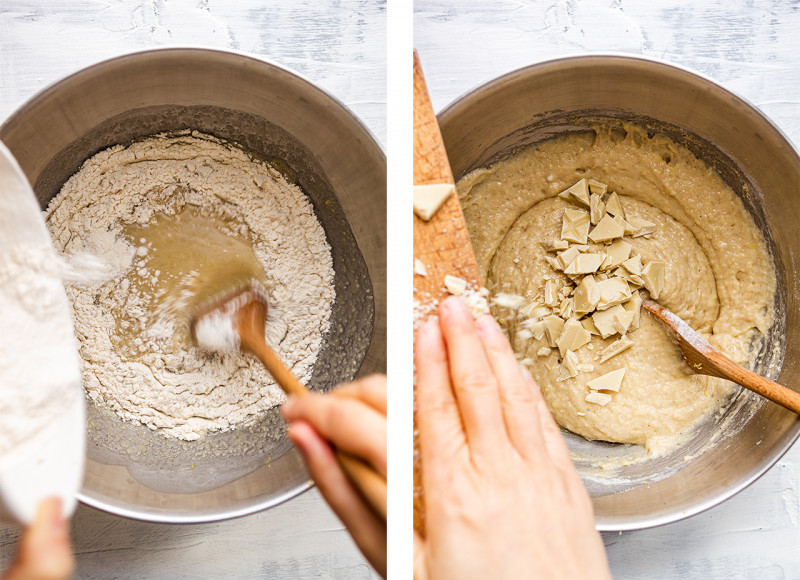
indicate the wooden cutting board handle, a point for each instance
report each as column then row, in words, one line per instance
column 442, row 243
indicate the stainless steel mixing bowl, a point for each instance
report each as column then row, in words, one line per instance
column 753, row 156
column 316, row 141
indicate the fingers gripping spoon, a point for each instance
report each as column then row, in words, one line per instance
column 41, row 396
column 236, row 322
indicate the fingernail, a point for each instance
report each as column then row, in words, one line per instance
column 288, row 407
column 455, row 308
column 488, row 325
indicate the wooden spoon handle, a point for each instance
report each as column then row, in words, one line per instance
column 371, row 484
column 276, row 367
column 368, row 481
column 766, row 388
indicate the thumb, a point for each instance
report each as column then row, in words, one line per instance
column 420, row 558
column 44, row 551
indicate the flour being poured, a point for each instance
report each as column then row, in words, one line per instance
column 174, row 217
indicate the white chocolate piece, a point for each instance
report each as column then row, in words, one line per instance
column 428, row 199
column 588, row 324
column 456, row 286
column 601, row 399
column 641, row 227
column 569, row 366
column 510, row 301
column 566, row 308
column 578, row 192
column 610, row 292
column 583, row 302
column 653, row 275
column 619, row 250
column 573, row 336
column 616, row 347
column 552, row 329
column 613, row 206
column 566, row 257
column 606, row 320
column 575, row 226
column 634, row 305
column 544, row 351
column 597, row 209
column 608, row 382
column 419, row 267
column 633, row 265
column 550, row 295
column 597, row 187
column 585, row 264
column 555, row 245
column 627, row 228
column 607, row 229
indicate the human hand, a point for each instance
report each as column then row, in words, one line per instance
column 502, row 497
column 44, row 551
column 351, row 418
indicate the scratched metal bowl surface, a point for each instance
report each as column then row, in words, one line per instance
column 730, row 451
column 275, row 115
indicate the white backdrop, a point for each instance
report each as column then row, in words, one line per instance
column 752, row 48
column 340, row 46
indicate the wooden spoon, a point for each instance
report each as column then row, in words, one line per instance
column 242, row 315
column 704, row 359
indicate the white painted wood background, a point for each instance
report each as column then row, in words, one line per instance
column 341, row 47
column 750, row 47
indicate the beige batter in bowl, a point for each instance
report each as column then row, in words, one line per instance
column 729, row 451
column 276, row 116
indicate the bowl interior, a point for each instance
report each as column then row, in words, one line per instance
column 533, row 104
column 277, row 117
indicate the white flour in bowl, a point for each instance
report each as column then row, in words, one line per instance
column 175, row 218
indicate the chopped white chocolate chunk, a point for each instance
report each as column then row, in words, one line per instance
column 588, row 324
column 573, row 336
column 429, row 198
column 597, row 187
column 633, row 265
column 585, row 264
column 555, row 263
column 544, row 351
column 619, row 250
column 608, row 382
column 597, row 209
column 601, row 399
column 578, row 192
column 616, row 347
column 550, row 294
column 566, row 257
column 585, row 367
column 626, row 227
column 552, row 329
column 556, row 245
column 511, row 301
column 634, row 305
column 419, row 267
column 610, row 292
column 566, row 308
column 524, row 334
column 606, row 229
column 575, row 226
column 622, row 320
column 641, row 227
column 537, row 329
column 606, row 320
column 456, row 286
column 569, row 366
column 614, row 207
column 583, row 300
column 529, row 308
column 653, row 276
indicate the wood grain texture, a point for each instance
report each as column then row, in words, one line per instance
column 339, row 46
column 704, row 359
column 442, row 243
column 748, row 47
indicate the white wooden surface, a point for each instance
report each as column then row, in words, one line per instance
column 749, row 47
column 340, row 46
